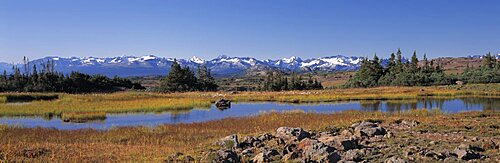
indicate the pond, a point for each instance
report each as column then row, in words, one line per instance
column 249, row 109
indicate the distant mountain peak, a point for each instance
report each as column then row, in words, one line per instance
column 223, row 65
column 197, row 60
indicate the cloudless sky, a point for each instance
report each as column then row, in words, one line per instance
column 256, row 28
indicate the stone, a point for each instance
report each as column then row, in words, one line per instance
column 222, row 103
column 314, row 150
column 228, row 142
column 225, row 156
column 249, row 142
column 290, row 156
column 345, row 144
column 353, row 155
column 260, row 158
column 248, row 152
column 395, row 159
column 466, row 152
column 265, row 137
column 435, row 155
column 368, row 129
column 288, row 133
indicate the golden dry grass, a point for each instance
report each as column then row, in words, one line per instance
column 123, row 102
column 133, row 144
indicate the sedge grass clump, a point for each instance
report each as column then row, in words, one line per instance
column 81, row 117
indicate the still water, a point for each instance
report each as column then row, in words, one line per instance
column 249, row 109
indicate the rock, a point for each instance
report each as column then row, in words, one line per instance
column 313, row 150
column 229, row 142
column 341, row 143
column 248, row 152
column 265, row 137
column 395, row 159
column 222, row 103
column 389, row 135
column 434, row 155
column 290, row 156
column 368, row 129
column 465, row 152
column 353, row 155
column 260, row 158
column 34, row 153
column 288, row 133
column 273, row 154
column 289, row 148
column 225, row 156
column 249, row 142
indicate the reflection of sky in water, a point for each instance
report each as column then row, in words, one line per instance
column 246, row 109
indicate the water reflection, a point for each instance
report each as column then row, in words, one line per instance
column 248, row 109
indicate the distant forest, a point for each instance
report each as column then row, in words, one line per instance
column 411, row 73
column 47, row 79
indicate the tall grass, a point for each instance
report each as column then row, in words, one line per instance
column 142, row 144
column 124, row 102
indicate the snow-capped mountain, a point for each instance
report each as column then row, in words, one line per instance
column 220, row 66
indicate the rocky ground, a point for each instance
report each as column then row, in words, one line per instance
column 366, row 141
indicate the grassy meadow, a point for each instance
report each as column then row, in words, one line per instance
column 141, row 144
column 124, row 102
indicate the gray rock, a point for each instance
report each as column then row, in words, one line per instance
column 341, row 143
column 368, row 129
column 288, row 133
column 222, row 103
column 290, row 156
column 224, row 156
column 265, row 137
column 313, row 150
column 260, row 158
column 466, row 152
column 229, row 142
column 353, row 155
column 248, row 152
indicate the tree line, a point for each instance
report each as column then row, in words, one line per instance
column 47, row 79
column 183, row 79
column 410, row 73
column 277, row 81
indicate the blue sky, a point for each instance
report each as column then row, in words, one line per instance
column 257, row 28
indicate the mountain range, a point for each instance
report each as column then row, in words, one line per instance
column 221, row 66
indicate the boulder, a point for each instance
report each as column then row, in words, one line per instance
column 288, row 133
column 224, row 156
column 367, row 129
column 222, row 103
column 290, row 156
column 341, row 143
column 313, row 150
column 260, row 158
column 466, row 152
column 228, row 142
column 353, row 155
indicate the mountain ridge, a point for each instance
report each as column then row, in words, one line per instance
column 222, row 65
